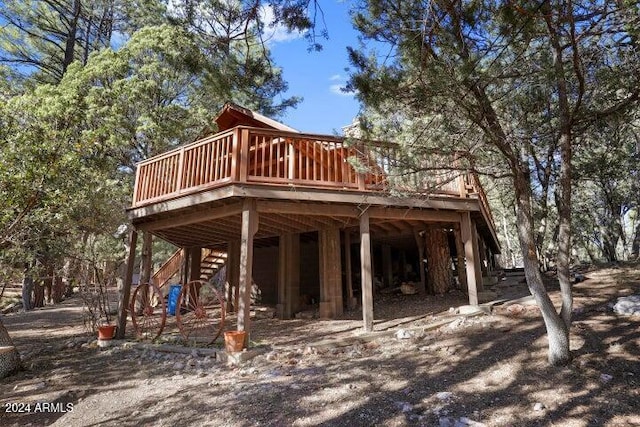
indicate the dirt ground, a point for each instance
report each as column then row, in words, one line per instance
column 424, row 366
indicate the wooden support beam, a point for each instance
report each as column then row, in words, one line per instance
column 482, row 250
column 300, row 208
column 233, row 275
column 195, row 261
column 330, row 273
column 474, row 275
column 288, row 275
column 365, row 269
column 193, row 217
column 423, row 277
column 390, row 213
column 460, row 267
column 249, row 229
column 184, row 267
column 125, row 292
column 322, row 195
column 145, row 262
column 387, row 270
column 351, row 301
column 478, row 256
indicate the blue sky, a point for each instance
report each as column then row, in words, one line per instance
column 317, row 76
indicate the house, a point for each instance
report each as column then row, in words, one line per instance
column 308, row 217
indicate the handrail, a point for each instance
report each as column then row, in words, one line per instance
column 269, row 156
column 168, row 269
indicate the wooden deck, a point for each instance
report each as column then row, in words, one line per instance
column 264, row 156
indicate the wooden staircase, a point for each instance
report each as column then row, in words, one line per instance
column 212, row 261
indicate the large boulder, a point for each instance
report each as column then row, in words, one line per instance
column 9, row 357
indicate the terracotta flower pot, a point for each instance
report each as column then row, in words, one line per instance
column 234, row 341
column 106, row 332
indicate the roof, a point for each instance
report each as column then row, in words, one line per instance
column 233, row 115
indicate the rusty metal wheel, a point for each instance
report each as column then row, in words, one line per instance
column 200, row 312
column 148, row 311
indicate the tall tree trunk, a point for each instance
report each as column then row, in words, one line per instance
column 72, row 37
column 27, row 290
column 9, row 357
column 439, row 274
column 557, row 332
column 565, row 142
column 635, row 246
column 38, row 294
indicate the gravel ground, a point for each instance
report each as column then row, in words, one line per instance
column 426, row 367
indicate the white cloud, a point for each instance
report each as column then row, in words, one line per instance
column 276, row 33
column 336, row 77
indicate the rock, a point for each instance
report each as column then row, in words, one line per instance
column 456, row 323
column 405, row 406
column 465, row 421
column 468, row 310
column 178, row 366
column 40, row 385
column 445, row 422
column 194, row 353
column 629, row 305
column 403, row 334
column 444, row 396
column 605, row 378
column 538, row 406
column 516, row 310
column 271, row 356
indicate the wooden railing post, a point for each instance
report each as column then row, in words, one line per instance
column 291, row 153
column 244, row 155
column 180, row 170
column 235, row 155
column 136, row 188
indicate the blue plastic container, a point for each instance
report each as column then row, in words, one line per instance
column 174, row 292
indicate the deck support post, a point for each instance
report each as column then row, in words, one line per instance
column 479, row 257
column 460, row 267
column 469, row 239
column 387, row 270
column 288, row 275
column 330, row 273
column 484, row 260
column 184, row 266
column 351, row 300
column 145, row 263
column 125, row 292
column 232, row 276
column 423, row 278
column 249, row 229
column 195, row 263
column 365, row 269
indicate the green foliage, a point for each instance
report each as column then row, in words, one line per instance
column 47, row 36
column 608, row 191
column 482, row 79
column 90, row 88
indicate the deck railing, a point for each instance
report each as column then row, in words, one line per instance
column 254, row 155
